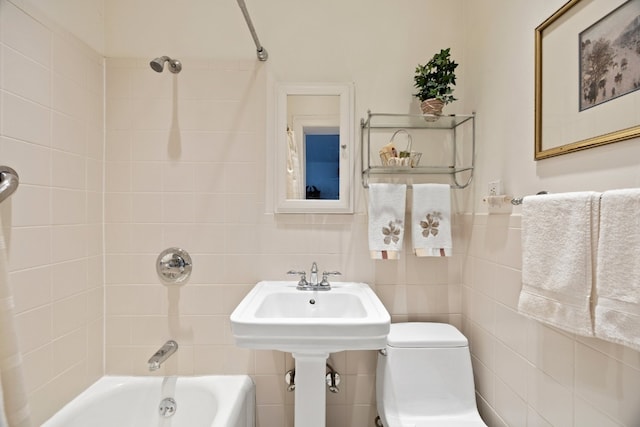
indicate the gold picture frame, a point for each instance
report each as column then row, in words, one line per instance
column 561, row 127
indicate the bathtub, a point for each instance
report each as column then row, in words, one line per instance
column 202, row 401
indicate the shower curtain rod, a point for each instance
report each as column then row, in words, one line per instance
column 9, row 181
column 260, row 50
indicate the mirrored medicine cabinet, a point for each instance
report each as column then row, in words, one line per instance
column 314, row 148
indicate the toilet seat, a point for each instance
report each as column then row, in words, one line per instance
column 471, row 421
column 425, row 335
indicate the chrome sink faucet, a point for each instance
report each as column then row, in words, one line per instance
column 162, row 354
column 313, row 274
column 313, row 284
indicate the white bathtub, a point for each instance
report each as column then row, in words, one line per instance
column 204, row 401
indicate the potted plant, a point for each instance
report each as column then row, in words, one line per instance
column 434, row 81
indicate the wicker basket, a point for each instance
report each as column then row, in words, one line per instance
column 389, row 156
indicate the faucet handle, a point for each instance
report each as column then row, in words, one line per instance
column 302, row 283
column 325, row 277
column 302, row 274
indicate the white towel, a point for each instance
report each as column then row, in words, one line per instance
column 617, row 308
column 294, row 180
column 431, row 220
column 559, row 238
column 386, row 220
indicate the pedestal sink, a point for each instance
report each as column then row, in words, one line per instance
column 310, row 324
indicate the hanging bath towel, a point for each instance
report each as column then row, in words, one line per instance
column 386, row 220
column 617, row 308
column 431, row 220
column 559, row 238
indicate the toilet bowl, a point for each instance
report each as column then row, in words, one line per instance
column 424, row 378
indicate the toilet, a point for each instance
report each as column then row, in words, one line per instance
column 424, row 378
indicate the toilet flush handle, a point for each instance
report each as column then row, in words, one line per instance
column 383, row 351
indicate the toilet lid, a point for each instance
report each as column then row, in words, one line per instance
column 425, row 335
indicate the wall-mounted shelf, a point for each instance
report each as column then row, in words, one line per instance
column 447, row 144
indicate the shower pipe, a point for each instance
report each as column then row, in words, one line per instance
column 260, row 50
column 9, row 181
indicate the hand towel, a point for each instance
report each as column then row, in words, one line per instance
column 559, row 238
column 431, row 220
column 617, row 306
column 386, row 220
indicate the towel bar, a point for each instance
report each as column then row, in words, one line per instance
column 9, row 181
column 518, row 200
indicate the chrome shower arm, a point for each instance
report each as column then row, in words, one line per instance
column 260, row 50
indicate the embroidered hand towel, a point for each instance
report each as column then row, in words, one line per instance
column 617, row 305
column 431, row 220
column 386, row 220
column 559, row 238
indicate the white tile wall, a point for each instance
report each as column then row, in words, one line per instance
column 184, row 166
column 51, row 133
column 528, row 373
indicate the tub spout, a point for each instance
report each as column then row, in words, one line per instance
column 162, row 354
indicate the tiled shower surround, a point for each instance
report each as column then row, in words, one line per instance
column 179, row 160
column 51, row 133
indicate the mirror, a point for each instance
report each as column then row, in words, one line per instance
column 314, row 148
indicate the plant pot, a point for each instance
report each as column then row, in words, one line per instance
column 432, row 107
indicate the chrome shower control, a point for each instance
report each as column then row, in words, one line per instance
column 173, row 266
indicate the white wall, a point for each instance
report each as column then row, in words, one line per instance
column 82, row 18
column 162, row 127
column 527, row 373
column 374, row 44
column 217, row 109
column 51, row 133
column 500, row 51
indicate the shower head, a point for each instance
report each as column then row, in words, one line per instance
column 158, row 64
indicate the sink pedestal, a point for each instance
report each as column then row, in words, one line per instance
column 310, row 392
column 276, row 315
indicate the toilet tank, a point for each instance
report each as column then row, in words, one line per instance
column 426, row 372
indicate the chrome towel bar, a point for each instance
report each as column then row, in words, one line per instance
column 518, row 200
column 9, row 181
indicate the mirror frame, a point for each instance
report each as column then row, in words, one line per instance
column 344, row 204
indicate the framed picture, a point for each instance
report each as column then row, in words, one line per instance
column 587, row 76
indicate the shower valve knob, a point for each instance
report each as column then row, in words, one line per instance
column 173, row 266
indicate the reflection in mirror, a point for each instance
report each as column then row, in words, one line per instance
column 322, row 164
column 314, row 148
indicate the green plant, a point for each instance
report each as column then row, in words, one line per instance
column 436, row 78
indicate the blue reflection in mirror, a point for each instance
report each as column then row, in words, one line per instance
column 322, row 166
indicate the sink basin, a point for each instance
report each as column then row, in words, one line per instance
column 287, row 305
column 275, row 315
